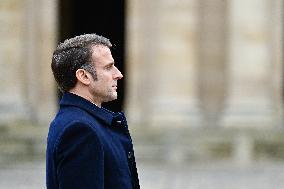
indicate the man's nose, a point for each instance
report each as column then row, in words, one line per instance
column 118, row 74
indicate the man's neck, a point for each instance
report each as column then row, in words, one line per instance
column 85, row 96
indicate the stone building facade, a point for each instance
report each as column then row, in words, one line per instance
column 28, row 36
column 192, row 66
column 206, row 63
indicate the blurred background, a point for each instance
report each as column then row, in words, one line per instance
column 202, row 88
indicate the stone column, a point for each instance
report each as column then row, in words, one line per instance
column 254, row 64
column 40, row 37
column 161, row 62
column 212, row 67
column 11, row 30
column 28, row 32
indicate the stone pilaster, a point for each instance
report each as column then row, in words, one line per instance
column 254, row 64
column 11, row 103
column 161, row 62
column 40, row 37
column 27, row 39
column 212, row 61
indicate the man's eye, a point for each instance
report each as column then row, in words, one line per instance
column 109, row 67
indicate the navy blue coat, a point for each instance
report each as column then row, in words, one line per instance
column 89, row 148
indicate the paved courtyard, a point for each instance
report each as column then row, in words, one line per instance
column 31, row 175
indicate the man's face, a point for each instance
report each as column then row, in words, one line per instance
column 103, row 89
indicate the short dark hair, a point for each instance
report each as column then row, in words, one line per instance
column 73, row 54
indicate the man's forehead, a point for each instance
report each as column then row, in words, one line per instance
column 101, row 55
column 100, row 49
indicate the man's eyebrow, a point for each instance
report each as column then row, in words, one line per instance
column 109, row 64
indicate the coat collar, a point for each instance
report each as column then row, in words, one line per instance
column 70, row 99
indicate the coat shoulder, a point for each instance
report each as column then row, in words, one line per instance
column 67, row 118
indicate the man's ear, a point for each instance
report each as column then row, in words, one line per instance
column 83, row 76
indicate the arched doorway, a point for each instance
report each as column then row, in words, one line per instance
column 105, row 18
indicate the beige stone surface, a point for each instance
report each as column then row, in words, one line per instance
column 202, row 63
column 251, row 63
column 190, row 64
column 162, row 62
column 27, row 34
column 11, row 72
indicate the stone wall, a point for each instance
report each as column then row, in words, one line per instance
column 189, row 63
column 205, row 64
column 207, row 75
column 28, row 36
column 205, row 79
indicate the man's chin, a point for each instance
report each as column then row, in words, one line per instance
column 114, row 95
column 111, row 98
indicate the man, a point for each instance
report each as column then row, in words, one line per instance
column 88, row 147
